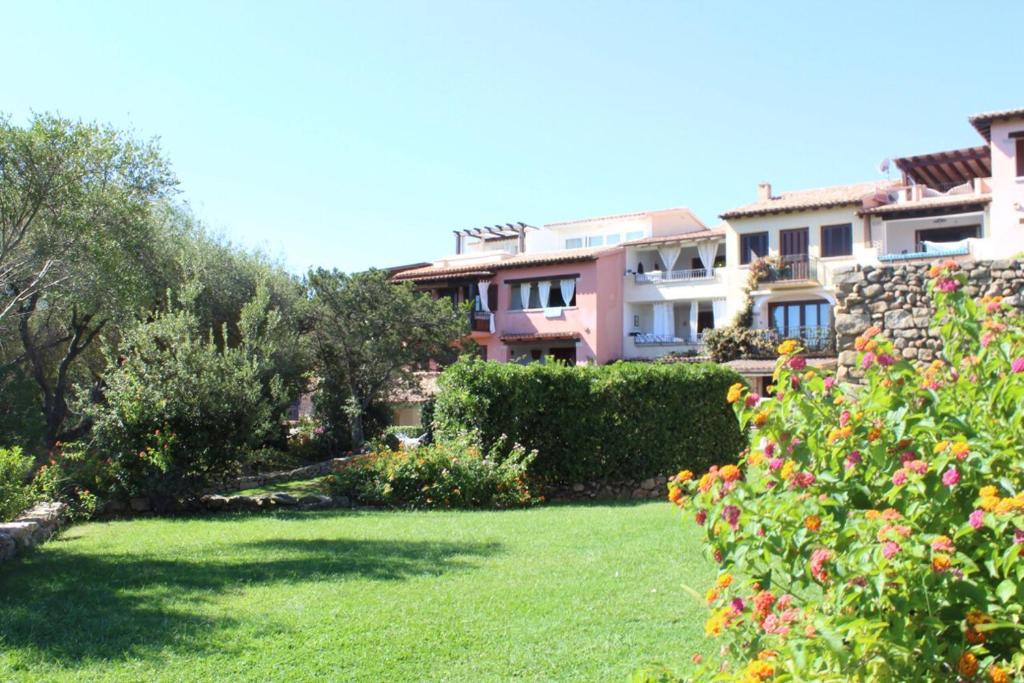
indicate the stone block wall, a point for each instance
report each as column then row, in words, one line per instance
column 32, row 527
column 895, row 298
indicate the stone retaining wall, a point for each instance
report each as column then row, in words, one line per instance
column 895, row 298
column 652, row 488
column 33, row 527
column 269, row 478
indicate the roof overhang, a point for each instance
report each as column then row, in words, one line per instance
column 529, row 338
column 945, row 170
column 983, row 122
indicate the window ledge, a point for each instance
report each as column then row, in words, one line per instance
column 540, row 310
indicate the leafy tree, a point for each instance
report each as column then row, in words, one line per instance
column 76, row 244
column 370, row 335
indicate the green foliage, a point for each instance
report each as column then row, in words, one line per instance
column 21, row 421
column 878, row 528
column 626, row 420
column 370, row 336
column 389, row 437
column 454, row 475
column 724, row 344
column 179, row 411
column 15, row 491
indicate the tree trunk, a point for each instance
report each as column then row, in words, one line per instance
column 356, row 427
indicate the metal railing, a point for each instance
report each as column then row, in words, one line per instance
column 814, row 339
column 651, row 339
column 480, row 321
column 676, row 275
column 794, row 268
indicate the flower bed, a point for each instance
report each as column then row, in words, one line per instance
column 879, row 528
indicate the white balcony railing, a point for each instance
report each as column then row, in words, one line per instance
column 650, row 339
column 692, row 274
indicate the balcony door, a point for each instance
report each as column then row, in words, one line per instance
column 808, row 321
column 793, row 248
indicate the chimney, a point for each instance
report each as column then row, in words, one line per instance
column 764, row 192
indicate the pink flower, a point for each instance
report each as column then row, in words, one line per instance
column 829, row 383
column 784, row 601
column 993, row 306
column 899, row 477
column 890, row 548
column 942, row 544
column 701, row 517
column 1018, row 537
column 774, row 464
column 852, row 459
column 737, row 605
column 977, row 519
column 885, row 360
column 752, row 400
column 951, row 477
column 731, row 514
column 867, row 360
column 844, row 418
column 1017, row 365
column 797, row 362
column 769, row 448
column 802, row 480
column 947, row 285
column 818, row 559
column 917, row 466
column 986, row 339
column 907, row 456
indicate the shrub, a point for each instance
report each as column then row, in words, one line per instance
column 180, row 412
column 455, row 475
column 71, row 477
column 15, row 492
column 724, row 344
column 389, row 438
column 877, row 529
column 620, row 421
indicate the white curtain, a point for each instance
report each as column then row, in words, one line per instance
column 694, row 307
column 524, row 293
column 664, row 320
column 568, row 288
column 707, row 252
column 544, row 287
column 668, row 256
column 485, row 305
column 718, row 308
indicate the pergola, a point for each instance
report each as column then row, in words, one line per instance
column 493, row 232
column 945, row 170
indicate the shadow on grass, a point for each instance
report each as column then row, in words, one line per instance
column 59, row 604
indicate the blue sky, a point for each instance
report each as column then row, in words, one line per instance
column 352, row 135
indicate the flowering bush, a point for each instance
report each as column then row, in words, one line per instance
column 455, row 475
column 875, row 532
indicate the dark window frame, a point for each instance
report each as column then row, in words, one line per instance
column 747, row 253
column 803, row 304
column 828, row 240
column 1019, row 151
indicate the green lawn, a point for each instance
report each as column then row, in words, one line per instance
column 556, row 593
column 295, row 488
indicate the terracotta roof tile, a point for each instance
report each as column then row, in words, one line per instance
column 983, row 122
column 695, row 235
column 755, row 367
column 817, row 198
column 953, row 200
column 540, row 336
column 498, row 263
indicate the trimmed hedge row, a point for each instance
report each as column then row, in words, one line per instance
column 619, row 421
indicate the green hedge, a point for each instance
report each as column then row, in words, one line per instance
column 620, row 421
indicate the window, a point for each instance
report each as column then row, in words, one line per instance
column 807, row 321
column 753, row 246
column 595, row 240
column 634, row 235
column 613, row 239
column 1020, row 157
column 555, row 298
column 837, row 240
column 574, row 243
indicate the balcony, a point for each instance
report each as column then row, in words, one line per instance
column 690, row 275
column 795, row 268
column 480, row 321
column 817, row 340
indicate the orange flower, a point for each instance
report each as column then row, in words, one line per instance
column 874, row 433
column 940, row 562
column 706, row 482
column 760, row 418
column 724, row 581
column 757, row 670
column 998, row 674
column 684, row 475
column 675, row 494
column 729, row 473
column 961, row 449
column 711, row 595
column 967, row 665
column 735, row 392
column 813, row 523
column 974, row 637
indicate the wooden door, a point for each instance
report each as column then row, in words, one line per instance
column 793, row 244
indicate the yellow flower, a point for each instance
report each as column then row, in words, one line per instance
column 711, row 595
column 989, row 503
column 940, row 446
column 787, row 347
column 757, row 670
column 724, row 581
column 787, row 469
column 684, row 475
column 755, row 458
column 941, row 563
column 988, row 492
column 717, row 621
column 735, row 392
column 968, row 665
column 705, row 483
column 961, row 449
column 760, row 418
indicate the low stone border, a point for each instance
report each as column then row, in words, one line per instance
column 32, row 527
column 645, row 489
column 270, row 478
column 263, row 501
